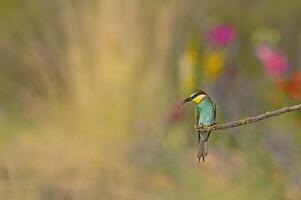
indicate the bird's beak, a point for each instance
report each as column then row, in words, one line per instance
column 188, row 99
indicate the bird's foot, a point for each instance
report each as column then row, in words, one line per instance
column 205, row 126
column 196, row 126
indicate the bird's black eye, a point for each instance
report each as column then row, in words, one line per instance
column 194, row 95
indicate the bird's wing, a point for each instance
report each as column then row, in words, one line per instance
column 214, row 110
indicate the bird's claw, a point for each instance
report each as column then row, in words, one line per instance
column 204, row 126
column 197, row 126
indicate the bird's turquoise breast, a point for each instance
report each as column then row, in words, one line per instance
column 206, row 109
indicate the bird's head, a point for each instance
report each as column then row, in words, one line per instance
column 197, row 96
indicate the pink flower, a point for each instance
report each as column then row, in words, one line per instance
column 221, row 35
column 274, row 60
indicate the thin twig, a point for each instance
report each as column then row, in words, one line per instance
column 249, row 120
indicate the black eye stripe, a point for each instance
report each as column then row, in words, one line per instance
column 195, row 95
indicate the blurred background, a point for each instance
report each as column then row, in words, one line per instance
column 89, row 93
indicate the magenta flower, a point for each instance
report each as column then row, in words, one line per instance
column 274, row 60
column 221, row 35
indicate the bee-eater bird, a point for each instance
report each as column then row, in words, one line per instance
column 205, row 113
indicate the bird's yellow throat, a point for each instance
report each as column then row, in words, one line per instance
column 199, row 98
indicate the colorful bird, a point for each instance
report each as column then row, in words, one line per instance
column 205, row 113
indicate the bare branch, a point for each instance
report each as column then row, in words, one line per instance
column 249, row 120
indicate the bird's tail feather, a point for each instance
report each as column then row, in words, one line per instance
column 202, row 150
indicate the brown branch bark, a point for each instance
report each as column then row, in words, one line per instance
column 249, row 120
